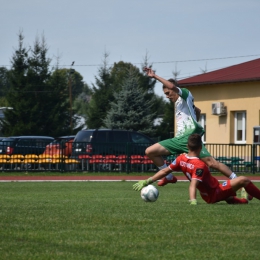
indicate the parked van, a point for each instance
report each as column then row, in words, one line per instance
column 109, row 141
column 24, row 144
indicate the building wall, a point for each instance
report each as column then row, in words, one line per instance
column 243, row 96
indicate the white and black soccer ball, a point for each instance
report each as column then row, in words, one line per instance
column 149, row 193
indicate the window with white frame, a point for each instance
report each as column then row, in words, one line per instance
column 202, row 122
column 240, row 127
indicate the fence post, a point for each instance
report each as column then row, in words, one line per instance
column 62, row 159
column 128, row 158
column 253, row 157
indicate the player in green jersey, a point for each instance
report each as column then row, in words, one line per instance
column 187, row 115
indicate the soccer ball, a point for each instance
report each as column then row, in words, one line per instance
column 149, row 193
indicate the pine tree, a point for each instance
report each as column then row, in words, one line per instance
column 130, row 110
column 59, row 102
column 38, row 92
column 101, row 98
column 15, row 95
column 4, row 86
column 3, row 81
column 38, row 100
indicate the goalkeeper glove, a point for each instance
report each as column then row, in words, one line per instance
column 193, row 202
column 139, row 185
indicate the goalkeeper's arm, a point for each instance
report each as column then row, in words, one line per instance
column 159, row 175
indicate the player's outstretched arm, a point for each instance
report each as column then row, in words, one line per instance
column 150, row 73
column 159, row 175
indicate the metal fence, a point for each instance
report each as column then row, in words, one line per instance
column 122, row 157
column 240, row 158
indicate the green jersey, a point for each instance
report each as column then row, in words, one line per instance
column 186, row 125
column 185, row 114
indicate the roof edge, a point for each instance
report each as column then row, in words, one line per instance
column 217, row 82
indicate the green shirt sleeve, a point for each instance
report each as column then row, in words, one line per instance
column 185, row 93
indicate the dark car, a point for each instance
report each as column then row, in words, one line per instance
column 24, row 144
column 60, row 146
column 110, row 141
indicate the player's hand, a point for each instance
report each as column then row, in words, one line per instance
column 193, row 202
column 139, row 185
column 150, row 73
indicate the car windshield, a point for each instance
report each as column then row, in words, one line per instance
column 55, row 142
column 6, row 141
column 61, row 140
column 84, row 136
column 138, row 138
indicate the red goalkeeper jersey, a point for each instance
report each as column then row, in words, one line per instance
column 194, row 168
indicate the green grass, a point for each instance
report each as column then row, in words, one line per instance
column 108, row 220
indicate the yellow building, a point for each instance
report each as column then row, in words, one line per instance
column 229, row 100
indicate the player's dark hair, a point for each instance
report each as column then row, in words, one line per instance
column 172, row 81
column 194, row 142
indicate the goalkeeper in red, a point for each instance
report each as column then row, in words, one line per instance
column 197, row 172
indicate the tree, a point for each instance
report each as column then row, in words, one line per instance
column 205, row 70
column 3, row 81
column 101, row 98
column 82, row 101
column 38, row 99
column 176, row 72
column 146, row 82
column 4, row 86
column 166, row 129
column 130, row 110
column 110, row 81
column 72, row 86
column 17, row 82
column 120, row 71
column 60, row 104
column 73, row 77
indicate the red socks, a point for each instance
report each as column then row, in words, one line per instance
column 236, row 200
column 252, row 190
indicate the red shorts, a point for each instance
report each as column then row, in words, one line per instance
column 222, row 192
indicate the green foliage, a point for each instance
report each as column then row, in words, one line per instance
column 3, row 102
column 81, row 103
column 120, row 72
column 130, row 110
column 101, row 98
column 39, row 98
column 108, row 220
column 65, row 79
column 110, row 80
column 74, row 78
column 59, row 103
column 166, row 129
column 16, row 93
column 4, row 84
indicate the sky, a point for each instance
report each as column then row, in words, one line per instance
column 184, row 36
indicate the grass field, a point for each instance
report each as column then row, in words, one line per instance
column 108, row 220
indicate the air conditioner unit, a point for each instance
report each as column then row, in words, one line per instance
column 219, row 109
